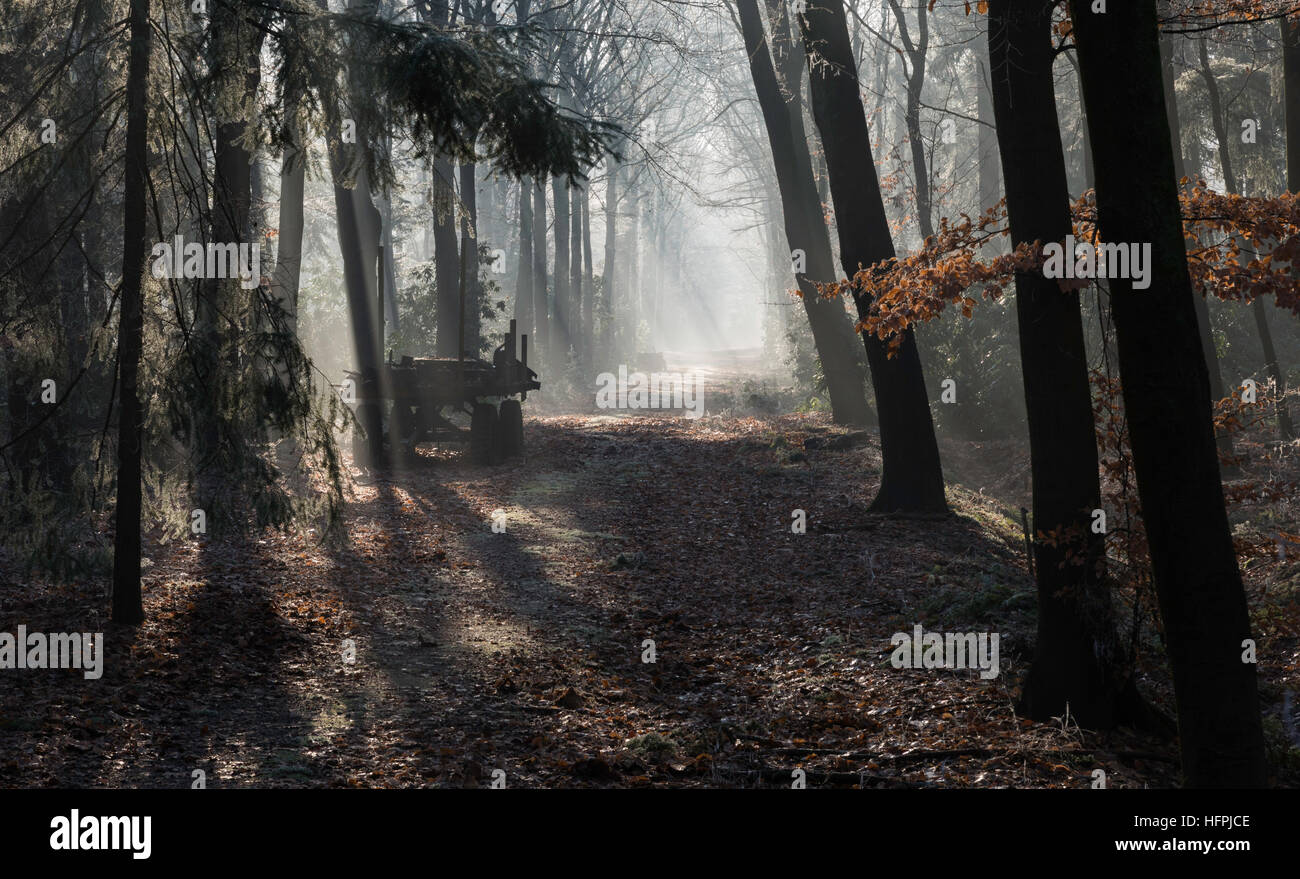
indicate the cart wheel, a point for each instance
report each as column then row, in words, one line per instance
column 368, row 438
column 482, row 433
column 511, row 428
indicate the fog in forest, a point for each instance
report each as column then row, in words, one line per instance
column 740, row 393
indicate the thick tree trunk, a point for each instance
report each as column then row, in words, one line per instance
column 911, row 475
column 1077, row 660
column 805, row 226
column 1166, row 389
column 128, row 607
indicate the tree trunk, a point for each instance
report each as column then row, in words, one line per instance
column 524, row 275
column 990, row 180
column 128, row 607
column 392, row 318
column 588, row 284
column 1291, row 98
column 234, row 58
column 446, row 258
column 911, row 475
column 632, row 303
column 916, row 56
column 1180, row 169
column 805, row 226
column 288, row 258
column 1077, row 662
column 560, row 326
column 1166, row 388
column 358, row 224
column 1257, row 306
column 541, row 295
column 577, row 199
column 469, row 258
column 608, row 273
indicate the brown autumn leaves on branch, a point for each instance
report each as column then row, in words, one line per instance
column 1238, row 248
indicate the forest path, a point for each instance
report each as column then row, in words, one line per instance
column 522, row 651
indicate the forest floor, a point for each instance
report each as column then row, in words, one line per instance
column 432, row 651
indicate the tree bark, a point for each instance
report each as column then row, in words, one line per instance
column 911, row 475
column 1291, row 98
column 524, row 274
column 128, row 606
column 1257, row 306
column 446, row 258
column 358, row 225
column 1180, row 169
column 560, row 326
column 288, row 258
column 588, row 283
column 805, row 226
column 577, row 196
column 1166, row 389
column 469, row 258
column 1077, row 662
column 607, row 283
column 915, row 76
column 541, row 293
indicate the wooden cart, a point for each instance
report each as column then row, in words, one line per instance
column 420, row 389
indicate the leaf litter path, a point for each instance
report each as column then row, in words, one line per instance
column 473, row 651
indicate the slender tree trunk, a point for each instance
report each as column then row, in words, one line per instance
column 560, row 326
column 288, row 259
column 916, row 56
column 1180, row 168
column 469, row 259
column 805, row 227
column 1222, row 437
column 1257, row 306
column 632, row 305
column 911, row 475
column 1078, row 665
column 1166, row 389
column 576, row 196
column 524, row 275
column 446, row 258
column 1291, row 98
column 541, row 286
column 392, row 317
column 128, row 607
column 358, row 224
column 607, row 283
column 990, row 180
column 588, row 282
